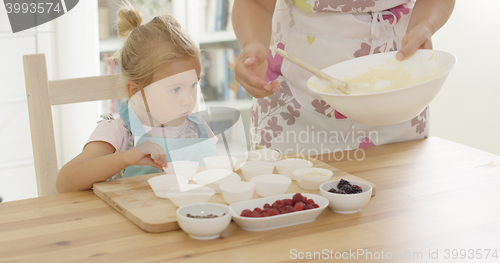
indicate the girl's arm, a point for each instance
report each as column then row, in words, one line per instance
column 252, row 26
column 428, row 17
column 98, row 162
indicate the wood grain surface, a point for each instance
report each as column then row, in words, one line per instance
column 134, row 198
column 432, row 195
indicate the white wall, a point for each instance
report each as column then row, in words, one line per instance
column 467, row 109
column 77, row 56
column 71, row 46
column 17, row 173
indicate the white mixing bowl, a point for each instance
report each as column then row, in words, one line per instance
column 389, row 107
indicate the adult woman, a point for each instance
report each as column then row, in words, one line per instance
column 322, row 33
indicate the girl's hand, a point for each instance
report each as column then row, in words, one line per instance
column 141, row 155
column 251, row 70
column 418, row 37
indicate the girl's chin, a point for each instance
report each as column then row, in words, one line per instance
column 177, row 122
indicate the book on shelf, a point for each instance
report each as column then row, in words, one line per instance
column 216, row 15
column 109, row 67
column 218, row 77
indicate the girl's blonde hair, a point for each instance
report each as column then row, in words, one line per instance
column 151, row 46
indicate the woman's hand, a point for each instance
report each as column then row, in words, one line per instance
column 418, row 37
column 251, row 70
column 141, row 155
column 428, row 16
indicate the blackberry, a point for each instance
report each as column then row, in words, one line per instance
column 335, row 191
column 342, row 183
column 346, row 188
column 356, row 189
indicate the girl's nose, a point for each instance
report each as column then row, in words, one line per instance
column 187, row 99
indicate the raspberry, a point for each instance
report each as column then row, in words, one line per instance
column 246, row 213
column 282, row 206
column 298, row 206
column 255, row 214
column 287, row 209
column 297, row 198
column 288, row 202
column 273, row 212
column 278, row 204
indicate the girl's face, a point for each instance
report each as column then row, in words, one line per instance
column 171, row 96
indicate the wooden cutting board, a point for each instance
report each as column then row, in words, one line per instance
column 134, row 198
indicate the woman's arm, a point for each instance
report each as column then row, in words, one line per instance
column 98, row 162
column 428, row 17
column 252, row 21
column 252, row 26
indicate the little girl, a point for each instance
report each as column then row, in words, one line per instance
column 161, row 68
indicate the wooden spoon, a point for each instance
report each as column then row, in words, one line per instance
column 340, row 85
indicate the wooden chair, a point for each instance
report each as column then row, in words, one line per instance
column 42, row 94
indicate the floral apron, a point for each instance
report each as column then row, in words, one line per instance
column 323, row 33
column 176, row 149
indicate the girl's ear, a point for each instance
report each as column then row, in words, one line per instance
column 132, row 88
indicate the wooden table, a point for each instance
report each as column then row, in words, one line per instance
column 432, row 195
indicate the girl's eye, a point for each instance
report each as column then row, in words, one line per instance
column 194, row 85
column 176, row 90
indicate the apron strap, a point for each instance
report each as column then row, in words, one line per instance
column 124, row 112
column 378, row 26
column 201, row 127
column 131, row 120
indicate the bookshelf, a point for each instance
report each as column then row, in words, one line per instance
column 208, row 23
column 110, row 44
column 204, row 23
column 217, row 37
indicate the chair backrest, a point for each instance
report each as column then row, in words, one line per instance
column 41, row 95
